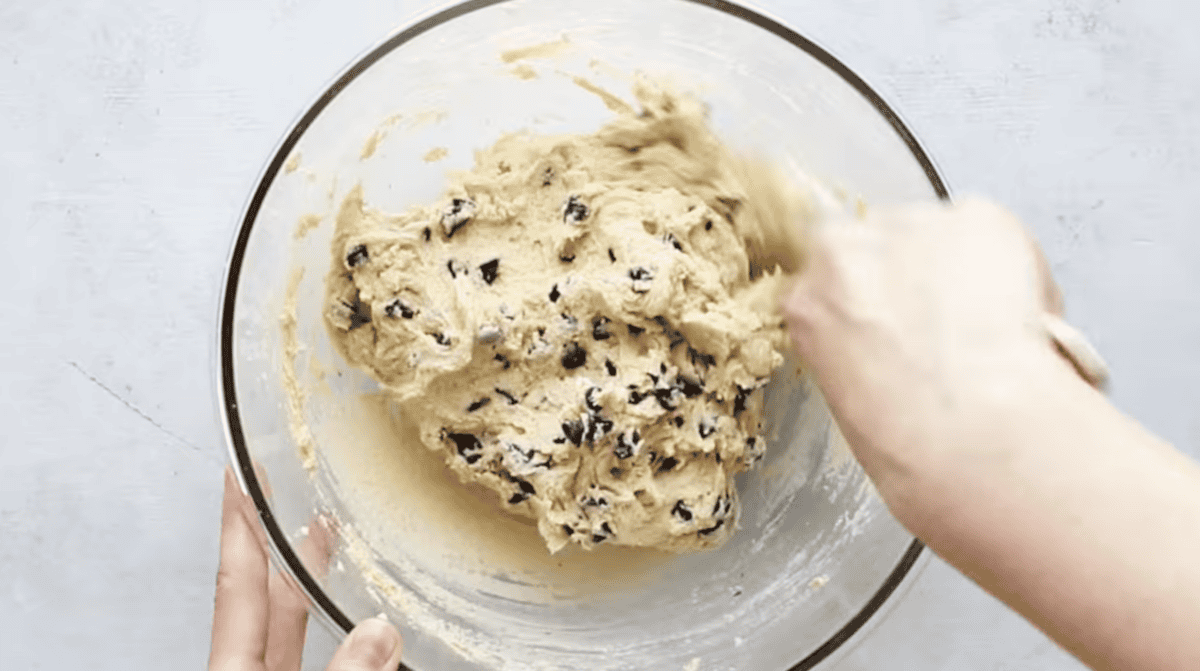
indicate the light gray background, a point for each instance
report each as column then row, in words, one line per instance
column 131, row 132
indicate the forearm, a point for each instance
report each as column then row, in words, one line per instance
column 1073, row 515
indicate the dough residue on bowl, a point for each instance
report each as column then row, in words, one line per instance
column 584, row 324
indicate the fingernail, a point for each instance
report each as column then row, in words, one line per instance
column 373, row 642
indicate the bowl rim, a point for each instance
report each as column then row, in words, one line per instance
column 280, row 548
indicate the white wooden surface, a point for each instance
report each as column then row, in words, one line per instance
column 131, row 131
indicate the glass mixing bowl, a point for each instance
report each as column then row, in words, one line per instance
column 817, row 553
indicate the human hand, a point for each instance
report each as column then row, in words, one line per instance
column 259, row 616
column 916, row 322
column 926, row 328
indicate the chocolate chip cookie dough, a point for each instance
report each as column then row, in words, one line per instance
column 582, row 325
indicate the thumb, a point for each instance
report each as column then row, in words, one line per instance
column 374, row 645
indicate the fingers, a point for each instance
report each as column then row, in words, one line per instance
column 374, row 645
column 239, row 637
column 803, row 311
column 1066, row 340
column 317, row 547
column 1052, row 298
column 260, row 533
column 286, row 627
column 1078, row 352
column 289, row 608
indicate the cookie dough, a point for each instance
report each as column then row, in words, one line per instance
column 580, row 325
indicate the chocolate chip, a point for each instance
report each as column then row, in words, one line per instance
column 440, row 338
column 568, row 530
column 357, row 256
column 681, row 511
column 489, row 270
column 508, row 396
column 428, row 234
column 567, row 259
column 457, row 214
column 597, row 427
column 526, row 487
column 610, row 367
column 397, row 307
column 590, row 401
column 700, row 358
column 604, row 533
column 357, row 319
column 624, row 449
column 612, row 257
column 713, row 528
column 360, row 312
column 641, row 279
column 635, row 331
column 517, row 498
column 479, row 404
column 615, row 472
column 515, row 453
column 708, row 225
column 468, row 446
column 707, row 426
column 574, row 356
column 573, row 430
column 667, row 464
column 574, row 210
column 600, row 328
column 739, row 401
column 554, row 294
column 665, row 397
column 678, row 422
column 690, row 388
column 504, row 360
column 673, row 241
column 636, row 397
